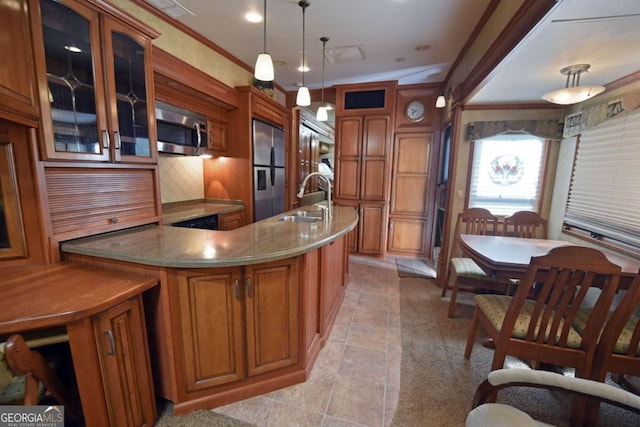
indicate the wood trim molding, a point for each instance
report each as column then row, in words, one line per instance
column 531, row 12
column 624, row 81
column 179, row 71
column 514, row 106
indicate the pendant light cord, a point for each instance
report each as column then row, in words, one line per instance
column 264, row 37
column 304, row 8
column 324, row 45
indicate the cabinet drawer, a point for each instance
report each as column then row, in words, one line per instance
column 268, row 112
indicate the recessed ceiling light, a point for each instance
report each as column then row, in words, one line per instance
column 73, row 49
column 422, row 47
column 401, row 59
column 279, row 62
column 303, row 68
column 253, row 17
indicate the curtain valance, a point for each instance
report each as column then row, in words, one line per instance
column 577, row 123
column 547, row 129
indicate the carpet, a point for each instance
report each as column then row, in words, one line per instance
column 415, row 268
column 198, row 418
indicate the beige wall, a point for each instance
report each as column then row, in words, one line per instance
column 192, row 51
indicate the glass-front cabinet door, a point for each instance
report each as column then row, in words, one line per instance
column 129, row 86
column 97, row 88
column 74, row 100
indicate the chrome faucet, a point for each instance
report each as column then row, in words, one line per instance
column 326, row 179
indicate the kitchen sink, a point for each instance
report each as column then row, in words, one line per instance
column 300, row 218
column 310, row 214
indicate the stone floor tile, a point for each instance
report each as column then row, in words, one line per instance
column 364, row 364
column 285, row 414
column 357, row 401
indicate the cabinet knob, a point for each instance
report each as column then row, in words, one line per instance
column 105, row 139
column 249, row 287
column 237, row 288
column 113, row 220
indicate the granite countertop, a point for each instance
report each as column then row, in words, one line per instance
column 182, row 211
column 262, row 241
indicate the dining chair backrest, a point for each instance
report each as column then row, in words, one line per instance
column 562, row 278
column 527, row 224
column 618, row 350
column 474, row 221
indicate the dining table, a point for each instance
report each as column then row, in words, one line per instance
column 509, row 257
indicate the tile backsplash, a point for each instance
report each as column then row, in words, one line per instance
column 181, row 178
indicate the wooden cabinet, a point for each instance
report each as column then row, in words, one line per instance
column 95, row 82
column 308, row 157
column 268, row 111
column 362, row 171
column 124, row 360
column 230, row 221
column 411, row 194
column 217, row 138
column 333, row 268
column 237, row 322
column 18, row 90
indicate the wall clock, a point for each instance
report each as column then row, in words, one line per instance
column 415, row 111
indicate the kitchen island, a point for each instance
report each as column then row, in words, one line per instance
column 238, row 313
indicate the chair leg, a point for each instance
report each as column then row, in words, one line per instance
column 445, row 283
column 472, row 335
column 452, row 303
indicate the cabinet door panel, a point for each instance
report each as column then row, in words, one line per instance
column 410, row 194
column 130, row 83
column 125, row 362
column 272, row 316
column 348, row 178
column 75, row 121
column 376, row 136
column 211, row 325
column 332, row 269
column 407, row 236
column 372, row 229
column 349, row 133
column 373, row 179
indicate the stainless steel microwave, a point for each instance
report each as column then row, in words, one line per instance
column 180, row 131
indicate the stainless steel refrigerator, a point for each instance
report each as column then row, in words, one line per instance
column 268, row 170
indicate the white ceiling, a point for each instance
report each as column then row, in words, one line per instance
column 603, row 33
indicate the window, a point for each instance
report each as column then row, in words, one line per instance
column 507, row 173
column 603, row 195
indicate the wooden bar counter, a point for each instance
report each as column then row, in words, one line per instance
column 240, row 312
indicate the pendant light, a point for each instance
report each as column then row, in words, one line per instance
column 304, row 97
column 264, row 64
column 322, row 115
column 573, row 93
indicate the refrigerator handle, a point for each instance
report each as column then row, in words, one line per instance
column 272, row 166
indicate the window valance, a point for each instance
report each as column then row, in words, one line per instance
column 577, row 123
column 547, row 129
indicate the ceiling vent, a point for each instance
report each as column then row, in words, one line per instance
column 171, row 8
column 345, row 54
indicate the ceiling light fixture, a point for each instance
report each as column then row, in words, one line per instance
column 573, row 93
column 322, row 115
column 440, row 101
column 264, row 65
column 303, row 98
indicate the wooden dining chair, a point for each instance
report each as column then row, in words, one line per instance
column 463, row 272
column 525, row 224
column 32, row 370
column 541, row 331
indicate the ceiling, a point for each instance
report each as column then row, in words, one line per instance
column 392, row 33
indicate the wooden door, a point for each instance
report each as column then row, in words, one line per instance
column 230, row 221
column 411, row 188
column 126, row 370
column 211, row 326
column 271, row 298
column 374, row 159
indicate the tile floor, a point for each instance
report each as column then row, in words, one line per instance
column 355, row 380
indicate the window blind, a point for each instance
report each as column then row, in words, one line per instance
column 604, row 195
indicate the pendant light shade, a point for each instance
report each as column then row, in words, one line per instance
column 264, row 64
column 304, row 97
column 440, row 101
column 573, row 93
column 322, row 115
